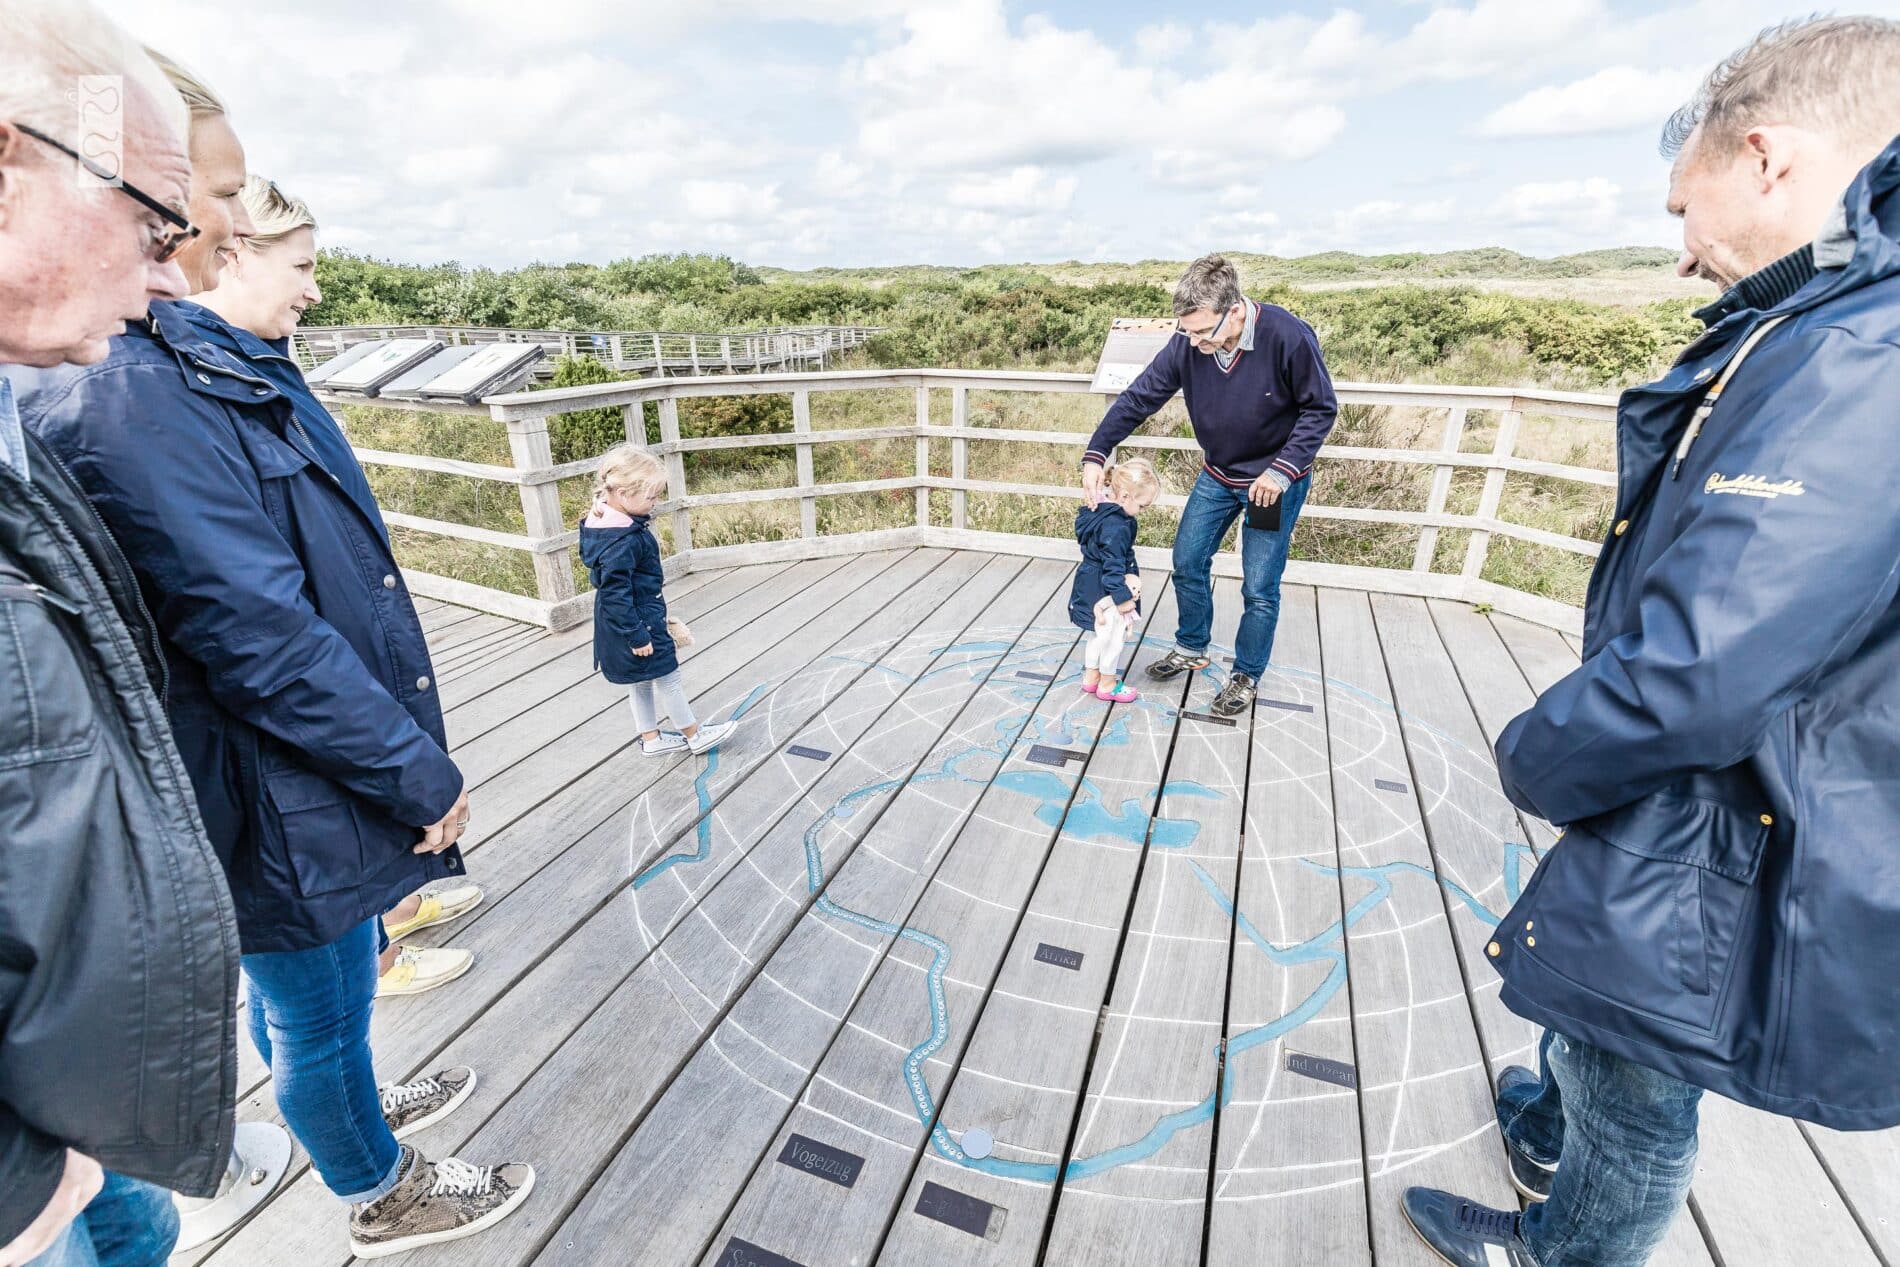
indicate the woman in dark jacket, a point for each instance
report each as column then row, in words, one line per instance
column 304, row 706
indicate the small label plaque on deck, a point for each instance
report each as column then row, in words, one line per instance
column 1207, row 717
column 1285, row 704
column 1035, row 677
column 1060, row 956
column 822, row 1160
column 1043, row 753
column 1321, row 1069
column 816, row 754
column 961, row 1211
column 1387, row 785
column 745, row 1254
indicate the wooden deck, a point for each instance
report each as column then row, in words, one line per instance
column 938, row 962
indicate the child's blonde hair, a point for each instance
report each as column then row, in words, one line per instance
column 1135, row 476
column 627, row 467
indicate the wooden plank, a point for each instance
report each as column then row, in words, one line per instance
column 469, row 661
column 1424, row 1096
column 533, row 735
column 672, row 1180
column 547, row 748
column 510, row 700
column 1478, row 849
column 1576, row 643
column 877, row 1091
column 1291, row 1169
column 487, row 646
column 444, row 617
column 468, row 631
column 1865, row 1168
column 523, row 940
column 457, row 689
column 1545, row 656
column 1135, row 1187
column 1025, row 1093
column 1498, row 692
column 1747, row 1154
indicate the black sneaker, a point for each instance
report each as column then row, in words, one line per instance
column 1531, row 1178
column 1175, row 663
column 1464, row 1233
column 1235, row 697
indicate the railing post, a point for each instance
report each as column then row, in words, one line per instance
column 923, row 457
column 692, row 352
column 1508, row 424
column 659, row 361
column 541, row 509
column 725, row 350
column 808, row 504
column 619, row 355
column 636, row 423
column 959, row 455
column 676, row 474
column 1441, row 489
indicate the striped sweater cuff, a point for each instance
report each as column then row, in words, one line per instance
column 1287, row 469
column 1100, row 459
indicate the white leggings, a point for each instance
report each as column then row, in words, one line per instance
column 1112, row 627
column 648, row 697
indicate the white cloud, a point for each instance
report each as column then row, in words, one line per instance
column 1019, row 189
column 1163, row 43
column 1596, row 200
column 727, row 200
column 1611, row 100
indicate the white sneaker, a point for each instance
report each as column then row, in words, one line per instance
column 707, row 738
column 664, row 742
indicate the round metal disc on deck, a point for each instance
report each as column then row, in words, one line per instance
column 259, row 1159
column 976, row 1143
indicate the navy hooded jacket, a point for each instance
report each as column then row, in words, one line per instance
column 1725, row 904
column 623, row 562
column 1106, row 534
column 301, row 690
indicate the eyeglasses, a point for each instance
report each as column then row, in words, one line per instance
column 164, row 246
column 1209, row 337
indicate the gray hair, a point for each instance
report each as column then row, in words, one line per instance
column 50, row 44
column 1838, row 74
column 1211, row 283
column 198, row 95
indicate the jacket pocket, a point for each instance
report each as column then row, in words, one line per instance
column 322, row 838
column 46, row 708
column 1649, row 905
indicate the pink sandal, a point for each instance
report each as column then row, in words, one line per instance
column 1127, row 694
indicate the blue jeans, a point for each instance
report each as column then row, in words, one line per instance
column 1211, row 510
column 129, row 1224
column 309, row 1012
column 1626, row 1139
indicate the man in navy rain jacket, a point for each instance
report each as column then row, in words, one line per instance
column 1723, row 910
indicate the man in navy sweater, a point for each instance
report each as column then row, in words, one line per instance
column 1261, row 403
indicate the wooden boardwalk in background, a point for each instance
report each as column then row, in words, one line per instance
column 938, row 961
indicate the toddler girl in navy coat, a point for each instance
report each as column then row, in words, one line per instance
column 1107, row 591
column 632, row 642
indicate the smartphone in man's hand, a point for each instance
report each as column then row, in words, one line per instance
column 1265, row 517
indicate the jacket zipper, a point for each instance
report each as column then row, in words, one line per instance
column 123, row 566
column 40, row 594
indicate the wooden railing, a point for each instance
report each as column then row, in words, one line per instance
column 629, row 351
column 549, row 539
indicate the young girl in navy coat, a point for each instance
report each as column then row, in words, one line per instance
column 1107, row 589
column 633, row 644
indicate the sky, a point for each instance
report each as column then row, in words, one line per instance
column 804, row 133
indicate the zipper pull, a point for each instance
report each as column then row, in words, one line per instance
column 55, row 599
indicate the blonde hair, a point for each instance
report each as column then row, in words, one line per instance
column 626, row 467
column 1136, row 475
column 275, row 213
column 197, row 95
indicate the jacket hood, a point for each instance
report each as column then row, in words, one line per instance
column 1091, row 523
column 1864, row 241
column 606, row 529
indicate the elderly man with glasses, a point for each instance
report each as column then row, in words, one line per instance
column 118, row 946
column 1261, row 403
